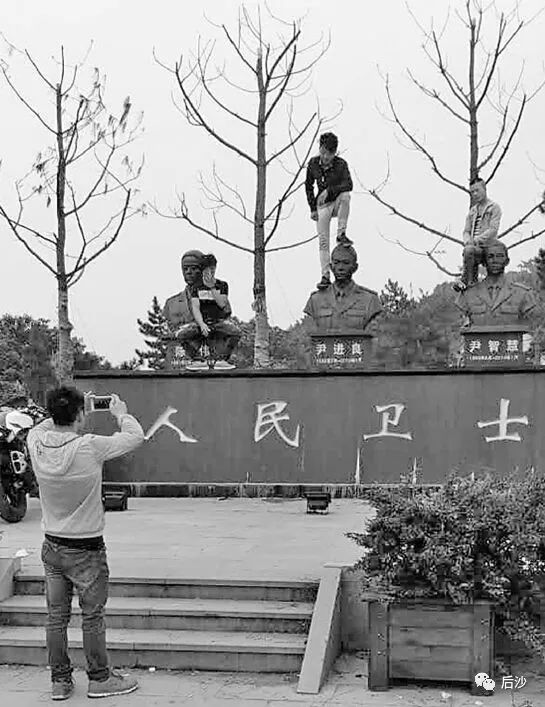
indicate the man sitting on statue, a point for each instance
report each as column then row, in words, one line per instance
column 481, row 228
column 201, row 313
column 332, row 177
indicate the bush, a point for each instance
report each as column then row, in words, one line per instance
column 472, row 539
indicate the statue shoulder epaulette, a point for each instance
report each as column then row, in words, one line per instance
column 361, row 288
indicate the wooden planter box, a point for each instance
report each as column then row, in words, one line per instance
column 430, row 640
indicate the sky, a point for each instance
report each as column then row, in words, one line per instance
column 368, row 42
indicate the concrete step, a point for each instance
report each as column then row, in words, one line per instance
column 181, row 650
column 164, row 588
column 175, row 614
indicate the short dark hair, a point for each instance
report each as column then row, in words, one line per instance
column 330, row 141
column 64, row 403
column 209, row 261
column 477, row 180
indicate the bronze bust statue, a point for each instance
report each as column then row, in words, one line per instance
column 495, row 300
column 343, row 305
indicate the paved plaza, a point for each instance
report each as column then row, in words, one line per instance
column 231, row 539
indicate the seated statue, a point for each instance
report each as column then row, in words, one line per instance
column 200, row 314
column 343, row 305
column 495, row 300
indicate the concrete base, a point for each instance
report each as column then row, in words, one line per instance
column 8, row 567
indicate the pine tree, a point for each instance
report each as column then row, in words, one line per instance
column 155, row 330
column 540, row 268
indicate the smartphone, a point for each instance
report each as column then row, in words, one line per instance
column 98, row 403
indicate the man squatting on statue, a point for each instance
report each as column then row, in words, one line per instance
column 481, row 228
column 68, row 468
column 331, row 175
column 202, row 313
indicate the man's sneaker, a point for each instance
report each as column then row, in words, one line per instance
column 116, row 684
column 342, row 239
column 459, row 286
column 197, row 366
column 324, row 283
column 223, row 366
column 62, row 690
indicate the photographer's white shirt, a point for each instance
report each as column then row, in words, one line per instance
column 68, row 469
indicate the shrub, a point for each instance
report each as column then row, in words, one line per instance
column 474, row 538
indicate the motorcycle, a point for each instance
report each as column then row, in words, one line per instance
column 17, row 478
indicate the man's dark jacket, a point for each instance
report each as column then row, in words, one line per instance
column 335, row 178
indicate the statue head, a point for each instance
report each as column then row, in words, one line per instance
column 477, row 190
column 496, row 258
column 192, row 266
column 344, row 262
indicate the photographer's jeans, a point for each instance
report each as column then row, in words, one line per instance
column 87, row 571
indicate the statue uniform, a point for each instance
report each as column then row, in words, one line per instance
column 503, row 302
column 177, row 310
column 335, row 308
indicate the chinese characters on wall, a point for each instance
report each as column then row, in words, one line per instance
column 273, row 418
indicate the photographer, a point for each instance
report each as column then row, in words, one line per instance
column 68, row 467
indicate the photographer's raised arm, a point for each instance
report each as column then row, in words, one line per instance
column 129, row 438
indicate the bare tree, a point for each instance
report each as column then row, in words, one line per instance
column 480, row 99
column 276, row 72
column 85, row 163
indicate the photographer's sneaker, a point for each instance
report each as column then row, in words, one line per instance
column 223, row 366
column 197, row 366
column 62, row 690
column 116, row 684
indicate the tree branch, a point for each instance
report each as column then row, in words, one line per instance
column 106, row 245
column 409, row 219
column 24, row 101
column 418, row 145
column 292, row 142
column 14, row 227
column 509, row 140
column 432, row 93
column 194, row 111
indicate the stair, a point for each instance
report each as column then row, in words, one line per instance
column 237, row 625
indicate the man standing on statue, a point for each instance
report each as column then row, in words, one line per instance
column 332, row 177
column 481, row 228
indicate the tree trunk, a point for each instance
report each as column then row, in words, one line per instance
column 473, row 122
column 65, row 355
column 261, row 344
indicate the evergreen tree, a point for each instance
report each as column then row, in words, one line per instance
column 540, row 268
column 155, row 329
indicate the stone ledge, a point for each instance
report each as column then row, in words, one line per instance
column 167, row 489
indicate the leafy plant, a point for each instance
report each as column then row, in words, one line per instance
column 475, row 538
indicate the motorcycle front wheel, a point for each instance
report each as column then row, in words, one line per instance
column 13, row 504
